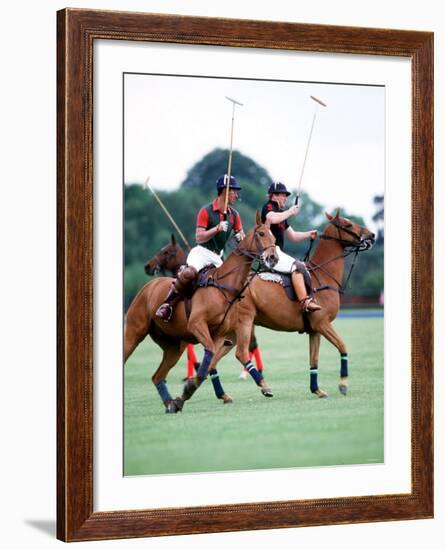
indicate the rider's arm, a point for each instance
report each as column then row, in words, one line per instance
column 203, row 235
column 278, row 217
column 298, row 236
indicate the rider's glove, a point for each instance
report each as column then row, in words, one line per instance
column 239, row 236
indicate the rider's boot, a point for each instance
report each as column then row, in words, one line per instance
column 176, row 292
column 165, row 310
column 307, row 303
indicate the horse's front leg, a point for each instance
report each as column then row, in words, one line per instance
column 330, row 334
column 244, row 332
column 199, row 328
column 214, row 375
column 314, row 352
column 171, row 355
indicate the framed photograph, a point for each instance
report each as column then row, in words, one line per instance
column 189, row 141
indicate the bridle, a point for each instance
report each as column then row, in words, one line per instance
column 257, row 254
column 358, row 244
column 163, row 259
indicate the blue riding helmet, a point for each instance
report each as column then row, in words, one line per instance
column 278, row 187
column 221, row 183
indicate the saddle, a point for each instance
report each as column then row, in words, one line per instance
column 203, row 279
column 284, row 279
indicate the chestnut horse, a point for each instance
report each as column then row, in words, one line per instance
column 267, row 305
column 213, row 314
column 170, row 258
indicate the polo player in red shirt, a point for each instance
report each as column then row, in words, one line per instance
column 213, row 231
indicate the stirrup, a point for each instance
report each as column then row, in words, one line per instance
column 306, row 304
column 165, row 312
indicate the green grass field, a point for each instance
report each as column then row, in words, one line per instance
column 292, row 429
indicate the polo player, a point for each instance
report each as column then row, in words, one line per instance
column 275, row 214
column 213, row 231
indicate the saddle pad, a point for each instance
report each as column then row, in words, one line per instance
column 282, row 279
column 272, row 277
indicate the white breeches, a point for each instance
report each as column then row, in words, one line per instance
column 200, row 257
column 286, row 264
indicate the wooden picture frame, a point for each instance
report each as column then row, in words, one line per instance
column 77, row 31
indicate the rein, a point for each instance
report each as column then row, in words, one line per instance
column 240, row 251
column 355, row 247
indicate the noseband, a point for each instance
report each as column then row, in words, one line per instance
column 356, row 243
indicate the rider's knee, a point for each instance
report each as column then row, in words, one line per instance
column 298, row 266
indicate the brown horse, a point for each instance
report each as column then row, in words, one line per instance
column 169, row 259
column 213, row 314
column 267, row 305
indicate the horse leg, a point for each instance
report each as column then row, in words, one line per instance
column 200, row 330
column 172, row 353
column 314, row 352
column 136, row 329
column 214, row 375
column 242, row 354
column 330, row 334
column 192, row 367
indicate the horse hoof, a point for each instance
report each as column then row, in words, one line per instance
column 226, row 399
column 267, row 392
column 175, row 406
column 321, row 394
column 343, row 389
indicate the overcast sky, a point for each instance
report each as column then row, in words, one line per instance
column 171, row 122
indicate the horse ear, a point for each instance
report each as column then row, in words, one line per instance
column 329, row 217
column 337, row 215
column 258, row 218
column 173, row 240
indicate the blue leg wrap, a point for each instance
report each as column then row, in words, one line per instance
column 314, row 380
column 217, row 387
column 254, row 372
column 204, row 366
column 344, row 365
column 163, row 391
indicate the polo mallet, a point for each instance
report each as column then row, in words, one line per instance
column 229, row 166
column 167, row 213
column 319, row 102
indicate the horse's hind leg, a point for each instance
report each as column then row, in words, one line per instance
column 133, row 336
column 330, row 334
column 136, row 326
column 172, row 353
column 314, row 352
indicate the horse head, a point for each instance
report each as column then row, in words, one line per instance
column 259, row 244
column 169, row 258
column 348, row 233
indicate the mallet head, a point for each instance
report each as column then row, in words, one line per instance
column 318, row 101
column 234, row 101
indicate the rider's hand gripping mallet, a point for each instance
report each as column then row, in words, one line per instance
column 229, row 166
column 308, row 143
